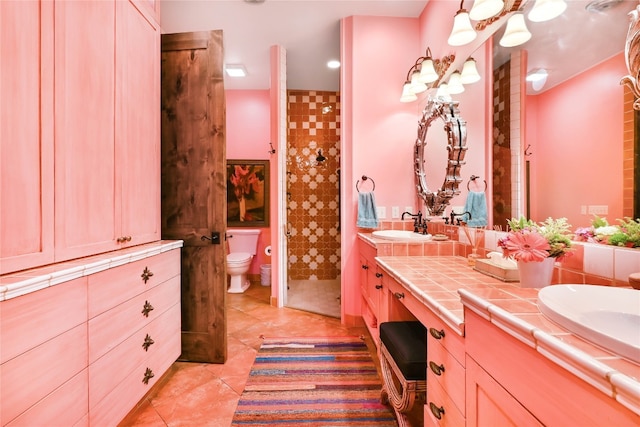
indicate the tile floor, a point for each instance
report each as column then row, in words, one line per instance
column 199, row 394
column 316, row 296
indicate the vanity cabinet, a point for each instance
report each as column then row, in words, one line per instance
column 510, row 381
column 371, row 289
column 89, row 101
column 85, row 351
column 445, row 404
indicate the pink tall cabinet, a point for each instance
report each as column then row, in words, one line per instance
column 89, row 294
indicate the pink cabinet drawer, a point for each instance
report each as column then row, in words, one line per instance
column 33, row 375
column 123, row 396
column 29, row 320
column 66, row 406
column 111, row 328
column 124, row 360
column 439, row 409
column 110, row 288
column 444, row 369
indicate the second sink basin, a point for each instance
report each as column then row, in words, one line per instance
column 401, row 235
column 604, row 315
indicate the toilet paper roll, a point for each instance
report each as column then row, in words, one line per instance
column 267, row 251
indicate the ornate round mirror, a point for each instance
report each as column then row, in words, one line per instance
column 456, row 130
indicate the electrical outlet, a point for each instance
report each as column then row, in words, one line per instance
column 598, row 209
column 382, row 212
column 395, row 212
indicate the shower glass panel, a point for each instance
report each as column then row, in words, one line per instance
column 313, row 162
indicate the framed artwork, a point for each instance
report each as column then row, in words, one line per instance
column 248, row 193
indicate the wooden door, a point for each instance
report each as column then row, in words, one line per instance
column 194, row 186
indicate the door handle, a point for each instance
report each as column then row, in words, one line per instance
column 214, row 239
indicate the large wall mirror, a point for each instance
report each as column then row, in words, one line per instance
column 570, row 158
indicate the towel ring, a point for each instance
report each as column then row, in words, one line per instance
column 364, row 178
column 473, row 178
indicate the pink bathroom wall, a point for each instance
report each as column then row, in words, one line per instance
column 378, row 131
column 248, row 136
column 577, row 152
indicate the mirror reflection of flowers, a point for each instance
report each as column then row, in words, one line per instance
column 626, row 234
column 533, row 242
column 247, row 186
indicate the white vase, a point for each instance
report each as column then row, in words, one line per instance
column 536, row 274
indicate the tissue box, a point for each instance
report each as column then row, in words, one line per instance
column 505, row 274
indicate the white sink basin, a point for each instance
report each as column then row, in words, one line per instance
column 604, row 315
column 401, row 235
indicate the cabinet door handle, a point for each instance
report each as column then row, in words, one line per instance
column 365, row 267
column 148, row 374
column 123, row 239
column 398, row 295
column 147, row 342
column 437, row 334
column 378, row 275
column 437, row 412
column 437, row 369
column 378, row 286
column 146, row 309
column 146, row 275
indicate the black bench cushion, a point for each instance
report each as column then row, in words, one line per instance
column 407, row 343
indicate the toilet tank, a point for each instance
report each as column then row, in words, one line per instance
column 243, row 240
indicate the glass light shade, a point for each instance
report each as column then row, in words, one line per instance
column 516, row 32
column 443, row 92
column 416, row 85
column 485, row 9
column 455, row 85
column 428, row 72
column 462, row 31
column 545, row 10
column 469, row 72
column 407, row 93
column 538, row 78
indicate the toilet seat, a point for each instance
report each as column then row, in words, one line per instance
column 238, row 257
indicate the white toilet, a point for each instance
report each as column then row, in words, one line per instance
column 243, row 244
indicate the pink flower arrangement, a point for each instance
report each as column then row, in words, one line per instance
column 531, row 242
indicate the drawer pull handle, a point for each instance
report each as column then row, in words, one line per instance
column 437, row 412
column 437, row 369
column 147, row 342
column 437, row 334
column 146, row 275
column 378, row 286
column 378, row 275
column 399, row 295
column 365, row 267
column 148, row 374
column 123, row 239
column 146, row 309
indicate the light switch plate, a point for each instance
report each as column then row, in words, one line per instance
column 395, row 212
column 382, row 212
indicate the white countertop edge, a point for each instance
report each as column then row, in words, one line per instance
column 25, row 284
column 627, row 391
column 517, row 328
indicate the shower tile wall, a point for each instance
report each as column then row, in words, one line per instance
column 313, row 184
column 501, row 145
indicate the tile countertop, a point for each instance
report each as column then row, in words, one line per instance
column 24, row 282
column 448, row 284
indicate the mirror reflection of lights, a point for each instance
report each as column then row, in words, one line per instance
column 538, row 78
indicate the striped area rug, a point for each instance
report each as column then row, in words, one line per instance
column 313, row 382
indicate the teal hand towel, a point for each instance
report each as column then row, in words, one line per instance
column 367, row 213
column 476, row 204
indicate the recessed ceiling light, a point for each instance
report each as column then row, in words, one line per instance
column 334, row 63
column 235, row 70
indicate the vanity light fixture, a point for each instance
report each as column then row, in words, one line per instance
column 333, row 64
column 485, row 9
column 428, row 73
column 462, row 32
column 455, row 85
column 417, row 86
column 235, row 70
column 443, row 92
column 516, row 32
column 545, row 10
column 469, row 72
column 407, row 94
